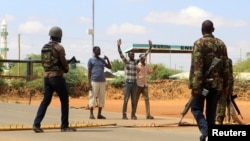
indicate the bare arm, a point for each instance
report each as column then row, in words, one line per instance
column 151, row 71
column 150, row 47
column 119, row 42
column 108, row 65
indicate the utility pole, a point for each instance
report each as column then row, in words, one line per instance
column 181, row 68
column 240, row 54
column 19, row 50
column 92, row 31
column 93, row 22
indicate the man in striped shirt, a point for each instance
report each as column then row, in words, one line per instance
column 130, row 82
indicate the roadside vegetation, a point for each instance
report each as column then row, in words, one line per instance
column 76, row 78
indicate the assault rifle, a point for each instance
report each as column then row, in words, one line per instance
column 72, row 60
column 204, row 91
column 231, row 99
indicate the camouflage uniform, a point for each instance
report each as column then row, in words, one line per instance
column 204, row 50
column 222, row 103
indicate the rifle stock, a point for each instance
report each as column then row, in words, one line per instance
column 212, row 65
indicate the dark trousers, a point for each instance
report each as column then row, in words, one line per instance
column 197, row 110
column 57, row 84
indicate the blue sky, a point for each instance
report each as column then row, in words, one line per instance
column 175, row 22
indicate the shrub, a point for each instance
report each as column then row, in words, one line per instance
column 118, row 82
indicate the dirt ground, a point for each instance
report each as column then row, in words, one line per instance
column 167, row 98
column 170, row 108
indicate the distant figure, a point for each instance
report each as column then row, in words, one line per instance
column 55, row 65
column 205, row 49
column 142, row 86
column 130, row 82
column 97, row 81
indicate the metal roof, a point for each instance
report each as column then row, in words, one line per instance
column 157, row 48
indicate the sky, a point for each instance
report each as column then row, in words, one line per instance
column 170, row 22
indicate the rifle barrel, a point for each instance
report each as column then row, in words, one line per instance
column 236, row 108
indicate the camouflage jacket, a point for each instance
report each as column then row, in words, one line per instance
column 204, row 50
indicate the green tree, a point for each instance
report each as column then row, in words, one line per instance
column 21, row 68
column 162, row 72
column 1, row 65
column 117, row 65
column 243, row 65
column 76, row 75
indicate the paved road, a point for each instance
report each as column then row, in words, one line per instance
column 113, row 128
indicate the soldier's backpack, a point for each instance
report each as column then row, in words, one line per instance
column 49, row 62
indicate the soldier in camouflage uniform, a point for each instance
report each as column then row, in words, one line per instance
column 222, row 103
column 204, row 51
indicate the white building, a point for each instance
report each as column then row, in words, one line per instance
column 183, row 75
column 241, row 76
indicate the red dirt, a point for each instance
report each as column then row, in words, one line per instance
column 167, row 98
column 171, row 108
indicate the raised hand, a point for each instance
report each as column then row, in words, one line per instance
column 105, row 57
column 119, row 42
column 150, row 43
